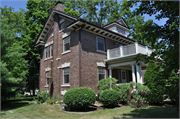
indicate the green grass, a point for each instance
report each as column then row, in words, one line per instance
column 22, row 109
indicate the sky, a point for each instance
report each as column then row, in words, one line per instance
column 16, row 4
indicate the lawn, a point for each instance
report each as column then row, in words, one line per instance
column 22, row 109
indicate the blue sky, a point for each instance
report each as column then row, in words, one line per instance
column 16, row 4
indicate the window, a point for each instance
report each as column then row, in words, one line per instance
column 61, row 24
column 66, row 43
column 47, row 78
column 100, row 44
column 121, row 31
column 66, row 75
column 117, row 45
column 52, row 28
column 51, row 50
column 123, row 76
column 101, row 73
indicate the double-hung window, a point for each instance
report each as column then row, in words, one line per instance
column 100, row 44
column 61, row 24
column 51, row 50
column 66, row 42
column 101, row 73
column 66, row 75
column 52, row 28
column 46, row 55
column 47, row 78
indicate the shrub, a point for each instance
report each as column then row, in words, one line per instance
column 110, row 98
column 106, row 84
column 51, row 101
column 41, row 97
column 155, row 81
column 140, row 96
column 79, row 98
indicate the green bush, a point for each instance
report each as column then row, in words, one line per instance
column 110, row 98
column 109, row 83
column 155, row 81
column 79, row 98
column 51, row 100
column 41, row 97
column 140, row 96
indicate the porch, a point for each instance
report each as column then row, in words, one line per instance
column 122, row 65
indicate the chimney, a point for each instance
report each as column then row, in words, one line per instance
column 59, row 7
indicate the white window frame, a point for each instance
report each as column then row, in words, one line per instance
column 63, row 76
column 46, row 52
column 125, row 75
column 104, row 72
column 64, row 44
column 51, row 50
column 60, row 24
column 97, row 44
column 52, row 29
column 47, row 77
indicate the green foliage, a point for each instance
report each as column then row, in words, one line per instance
column 140, row 95
column 79, row 98
column 110, row 98
column 125, row 91
column 41, row 96
column 106, row 84
column 13, row 64
column 51, row 100
column 155, row 81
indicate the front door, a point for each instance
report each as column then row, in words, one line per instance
column 123, row 76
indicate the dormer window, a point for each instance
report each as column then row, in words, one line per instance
column 121, row 31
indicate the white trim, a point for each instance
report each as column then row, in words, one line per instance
column 64, row 44
column 49, row 43
column 61, row 30
column 101, row 51
column 65, row 85
column 125, row 75
column 97, row 44
column 65, row 65
column 48, row 58
column 61, row 21
column 117, row 25
column 63, row 76
column 47, row 69
column 65, row 15
column 108, row 37
column 122, row 21
column 66, row 34
column 73, row 24
column 68, row 51
column 65, row 18
column 38, row 45
column 100, row 64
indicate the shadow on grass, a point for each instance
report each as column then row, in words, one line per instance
column 153, row 112
column 15, row 103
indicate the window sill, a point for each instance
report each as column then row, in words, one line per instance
column 101, row 51
column 52, row 35
column 48, row 58
column 46, row 86
column 65, row 85
column 65, row 52
column 61, row 30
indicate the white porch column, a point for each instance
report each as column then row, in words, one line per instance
column 121, row 50
column 136, row 45
column 110, row 72
column 133, row 73
column 137, row 74
column 140, row 74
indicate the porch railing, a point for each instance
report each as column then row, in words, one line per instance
column 128, row 50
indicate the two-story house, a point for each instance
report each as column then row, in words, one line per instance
column 77, row 53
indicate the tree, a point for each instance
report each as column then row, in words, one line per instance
column 13, row 65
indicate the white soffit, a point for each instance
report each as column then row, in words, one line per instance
column 100, row 64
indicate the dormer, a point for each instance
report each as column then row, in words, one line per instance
column 118, row 26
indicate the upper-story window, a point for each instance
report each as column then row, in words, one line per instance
column 117, row 45
column 66, row 42
column 121, row 31
column 52, row 29
column 61, row 24
column 100, row 44
column 49, row 51
column 47, row 78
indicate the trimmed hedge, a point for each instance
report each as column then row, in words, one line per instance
column 79, row 98
column 110, row 98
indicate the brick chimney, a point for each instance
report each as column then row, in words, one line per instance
column 59, row 7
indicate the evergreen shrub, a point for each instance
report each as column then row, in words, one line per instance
column 79, row 98
column 110, row 98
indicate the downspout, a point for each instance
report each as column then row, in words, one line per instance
column 82, row 26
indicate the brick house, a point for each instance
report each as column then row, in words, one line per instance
column 77, row 53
